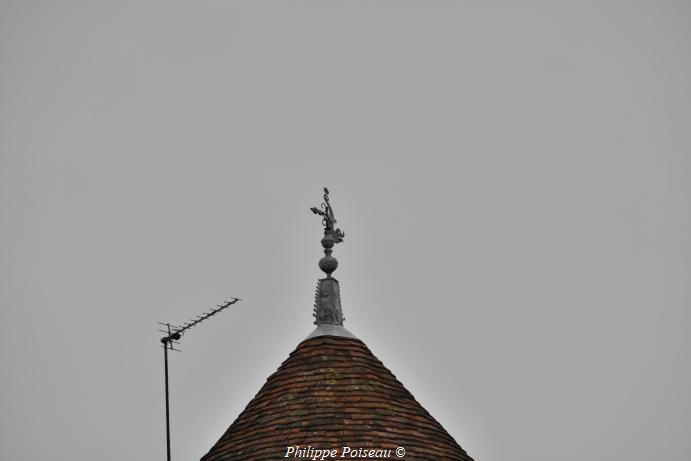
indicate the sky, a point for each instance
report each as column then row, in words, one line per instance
column 513, row 181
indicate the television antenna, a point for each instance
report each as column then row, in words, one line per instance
column 171, row 340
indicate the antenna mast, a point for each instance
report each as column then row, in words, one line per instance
column 173, row 335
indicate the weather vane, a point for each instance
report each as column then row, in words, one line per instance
column 328, row 219
column 327, row 298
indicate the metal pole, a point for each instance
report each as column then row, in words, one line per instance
column 165, row 360
column 168, row 342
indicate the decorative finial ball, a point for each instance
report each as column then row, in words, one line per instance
column 328, row 264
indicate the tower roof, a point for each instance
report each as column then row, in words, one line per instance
column 333, row 392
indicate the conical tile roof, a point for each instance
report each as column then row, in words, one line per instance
column 333, row 392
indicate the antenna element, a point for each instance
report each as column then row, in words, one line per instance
column 170, row 340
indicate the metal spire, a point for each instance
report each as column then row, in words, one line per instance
column 327, row 299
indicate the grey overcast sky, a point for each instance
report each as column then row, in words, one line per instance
column 513, row 179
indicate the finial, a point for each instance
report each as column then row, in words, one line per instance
column 331, row 235
column 327, row 303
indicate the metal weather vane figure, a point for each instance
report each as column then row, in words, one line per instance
column 328, row 219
